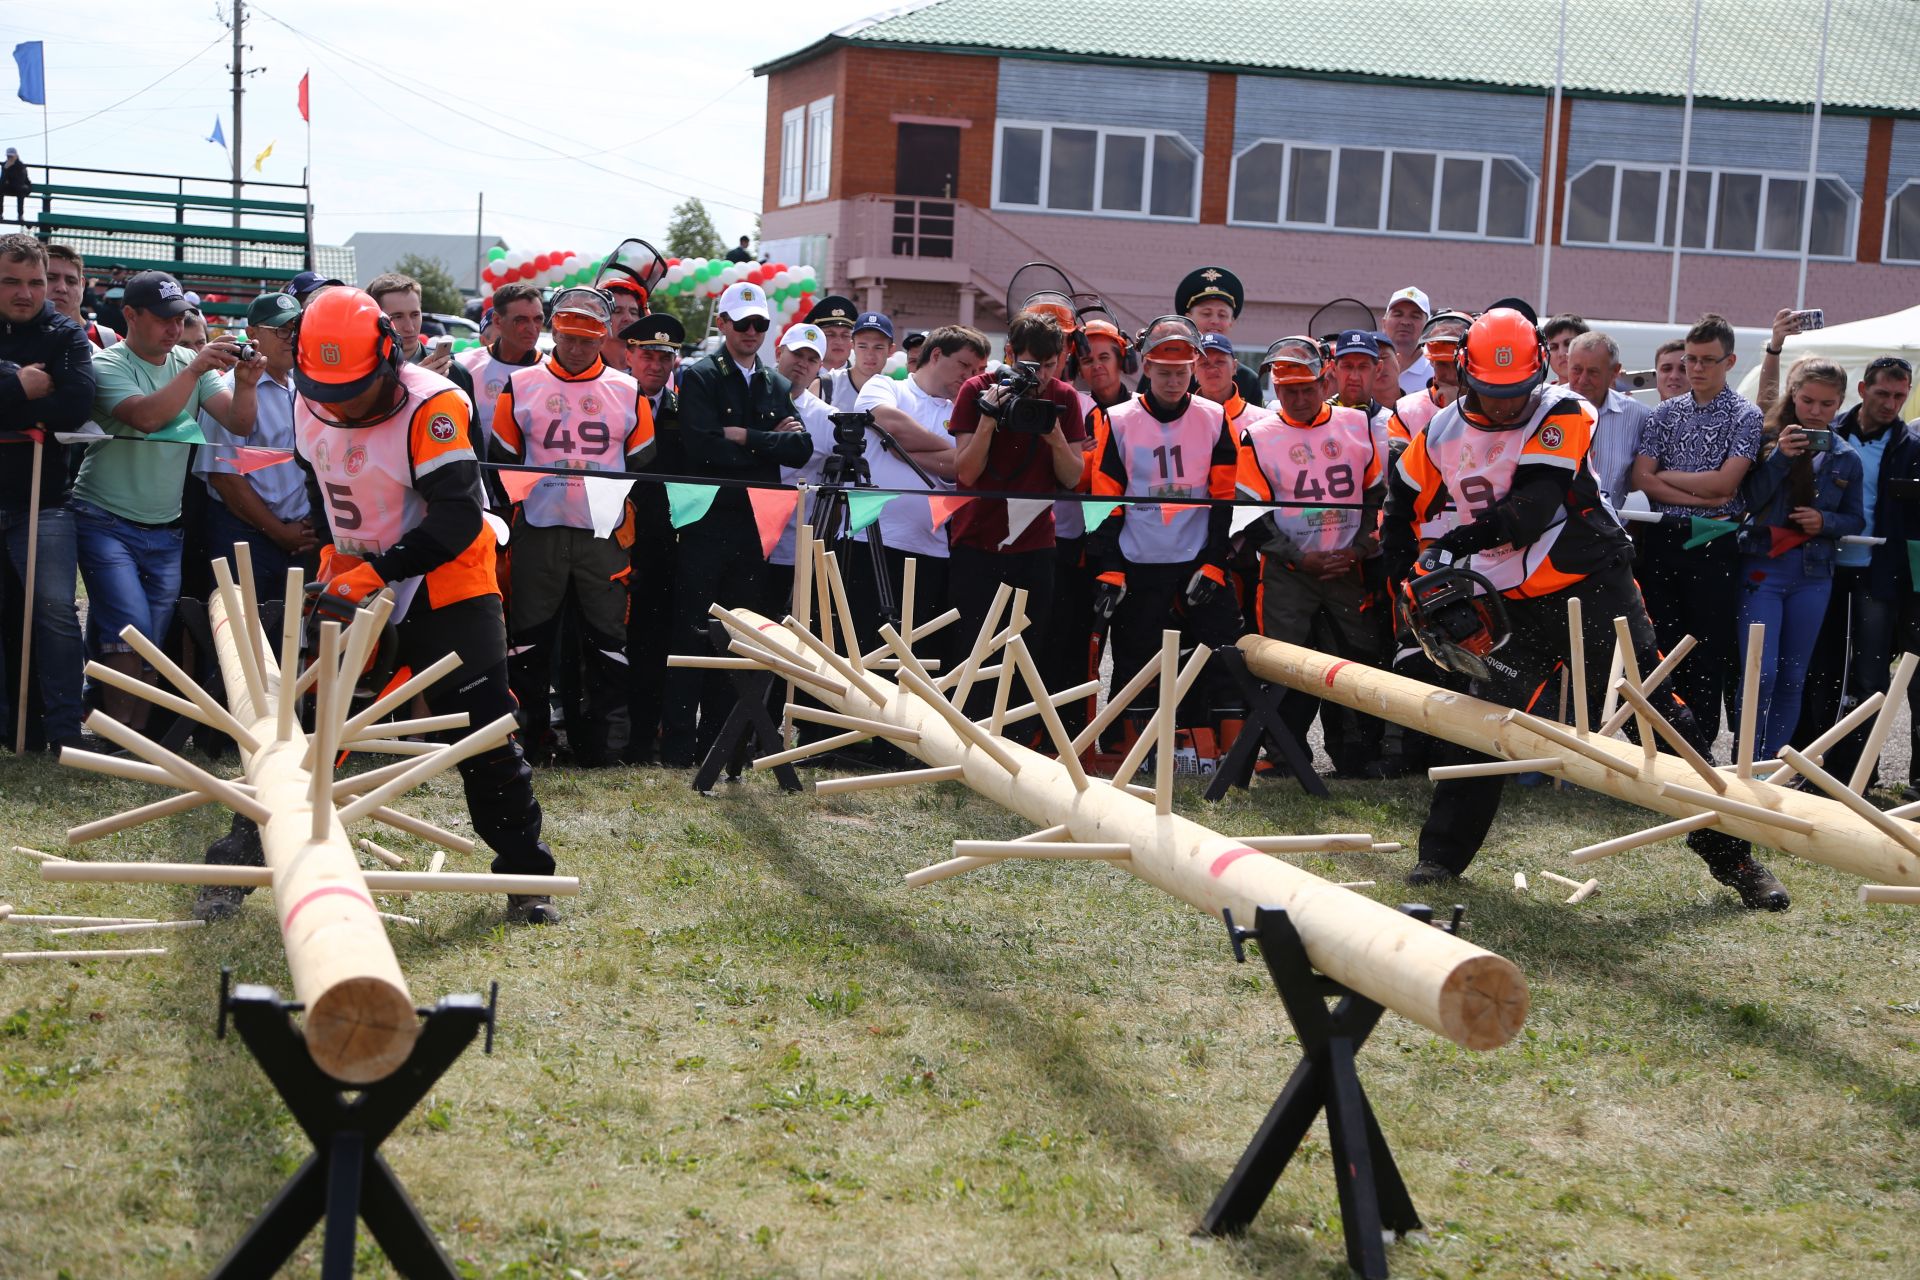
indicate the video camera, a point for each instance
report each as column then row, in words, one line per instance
column 850, row 432
column 1021, row 411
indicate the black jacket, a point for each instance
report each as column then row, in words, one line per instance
column 1889, row 575
column 713, row 397
column 60, row 344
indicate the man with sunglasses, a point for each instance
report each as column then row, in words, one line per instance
column 1872, row 585
column 1693, row 453
column 737, row 422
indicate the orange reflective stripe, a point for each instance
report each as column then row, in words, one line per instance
column 505, row 429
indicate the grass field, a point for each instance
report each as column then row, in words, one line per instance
column 750, row 1051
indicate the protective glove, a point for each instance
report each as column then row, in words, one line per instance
column 337, row 598
column 1208, row 581
column 1109, row 589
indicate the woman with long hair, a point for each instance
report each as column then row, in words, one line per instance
column 1802, row 498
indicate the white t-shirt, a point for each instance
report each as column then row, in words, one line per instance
column 813, row 412
column 906, row 524
column 1416, row 376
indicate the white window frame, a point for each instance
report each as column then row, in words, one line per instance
column 819, row 136
column 1886, row 225
column 1487, row 160
column 1101, row 133
column 1670, row 174
column 793, row 145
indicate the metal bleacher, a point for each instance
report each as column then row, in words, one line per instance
column 226, row 248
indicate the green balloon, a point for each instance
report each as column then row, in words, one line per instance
column 496, row 253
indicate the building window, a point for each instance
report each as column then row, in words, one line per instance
column 819, row 148
column 1130, row 173
column 792, row 141
column 1903, row 225
column 1424, row 193
column 1725, row 211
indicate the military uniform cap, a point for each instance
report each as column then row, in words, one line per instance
column 833, row 312
column 660, row 329
column 1209, row 282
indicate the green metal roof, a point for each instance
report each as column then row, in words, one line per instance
column 1760, row 52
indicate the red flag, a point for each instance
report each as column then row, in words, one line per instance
column 772, row 512
column 1783, row 540
column 303, row 96
column 519, row 483
column 1168, row 510
column 248, row 458
column 943, row 506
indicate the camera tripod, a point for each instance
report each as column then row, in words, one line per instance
column 846, row 469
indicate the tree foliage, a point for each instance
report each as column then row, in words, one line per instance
column 438, row 292
column 691, row 233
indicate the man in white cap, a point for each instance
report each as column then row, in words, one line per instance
column 802, row 348
column 1407, row 312
column 737, row 422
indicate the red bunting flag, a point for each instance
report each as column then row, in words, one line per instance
column 1168, row 510
column 943, row 505
column 1783, row 540
column 248, row 458
column 772, row 512
column 519, row 484
column 303, row 96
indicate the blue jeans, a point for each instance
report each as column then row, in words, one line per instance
column 57, row 652
column 1777, row 592
column 270, row 563
column 132, row 574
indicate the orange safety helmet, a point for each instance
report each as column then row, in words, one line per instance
column 1441, row 336
column 1501, row 356
column 582, row 312
column 1294, row 361
column 343, row 344
column 626, row 286
column 1170, row 340
column 1048, row 302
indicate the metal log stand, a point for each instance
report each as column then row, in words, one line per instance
column 346, row 1179
column 1263, row 725
column 1373, row 1198
column 749, row 720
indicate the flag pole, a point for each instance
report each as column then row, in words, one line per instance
column 1813, row 157
column 1679, row 233
column 1553, row 160
column 33, row 559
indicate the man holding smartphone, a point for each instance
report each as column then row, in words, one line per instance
column 399, row 297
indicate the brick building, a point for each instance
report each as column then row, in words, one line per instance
column 921, row 156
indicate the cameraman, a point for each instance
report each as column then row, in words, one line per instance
column 1019, row 432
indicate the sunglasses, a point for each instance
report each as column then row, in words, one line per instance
column 753, row 324
column 1883, row 363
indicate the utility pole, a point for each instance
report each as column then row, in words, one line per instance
column 240, row 71
column 479, row 247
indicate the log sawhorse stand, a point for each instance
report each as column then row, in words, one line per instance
column 749, row 720
column 345, row 1180
column 1263, row 724
column 1373, row 1198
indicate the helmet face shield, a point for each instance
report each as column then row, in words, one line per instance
column 1441, row 336
column 1170, row 340
column 1055, row 304
column 582, row 312
column 1293, row 361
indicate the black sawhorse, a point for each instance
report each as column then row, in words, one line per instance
column 1373, row 1198
column 1263, row 725
column 748, row 721
column 346, row 1179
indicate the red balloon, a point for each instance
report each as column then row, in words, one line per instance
column 543, row 262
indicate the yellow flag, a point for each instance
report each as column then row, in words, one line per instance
column 262, row 157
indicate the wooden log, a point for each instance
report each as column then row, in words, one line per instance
column 1060, row 699
column 131, row 770
column 28, row 917
column 418, row 683
column 1609, row 714
column 841, row 666
column 1630, row 670
column 1816, row 750
column 1577, row 671
column 37, row 855
column 135, row 817
column 839, row 720
column 189, row 775
column 327, row 715
column 186, row 684
column 702, row 662
column 963, row 676
column 1493, row 768
column 1442, row 982
column 1149, row 735
column 1520, row 881
column 104, row 674
column 1345, row 842
column 804, row 750
column 29, row 957
column 793, row 671
column 1847, row 796
column 1908, row 895
column 1117, row 704
column 1826, row 832
column 1738, row 808
column 422, row 725
column 1099, row 850
column 1049, row 716
column 1883, row 723
column 381, row 853
column 1675, row 739
column 393, row 747
column 196, row 873
column 142, row 926
column 1579, row 746
column 957, row 866
column 1750, row 699
column 1584, row 892
column 1169, row 718
column 1639, row 839
column 880, row 781
column 485, row 738
column 360, row 1023
column 1615, row 720
column 283, row 699
column 418, row 827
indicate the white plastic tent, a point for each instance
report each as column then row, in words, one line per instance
column 1852, row 346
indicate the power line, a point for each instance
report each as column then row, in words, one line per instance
column 137, row 92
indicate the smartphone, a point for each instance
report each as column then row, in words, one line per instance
column 443, row 343
column 1818, row 441
column 1805, row 320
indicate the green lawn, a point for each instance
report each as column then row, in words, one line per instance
column 750, row 1051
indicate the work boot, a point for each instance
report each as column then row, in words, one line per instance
column 240, row 847
column 1425, row 873
column 1759, row 890
column 218, row 902
column 531, row 908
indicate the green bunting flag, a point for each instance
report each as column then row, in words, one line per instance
column 1096, row 510
column 1705, row 530
column 687, row 503
column 1913, row 563
column 864, row 508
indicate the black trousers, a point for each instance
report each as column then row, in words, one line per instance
column 973, row 576
column 1155, row 603
column 499, row 783
column 718, row 561
column 1463, row 808
column 649, row 624
column 1069, row 657
column 1694, row 593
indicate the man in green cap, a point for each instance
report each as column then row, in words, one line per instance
column 264, row 506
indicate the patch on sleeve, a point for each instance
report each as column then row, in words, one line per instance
column 443, row 428
column 1550, row 436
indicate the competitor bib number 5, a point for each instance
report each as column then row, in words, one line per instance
column 346, row 514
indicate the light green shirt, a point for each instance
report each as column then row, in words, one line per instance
column 139, row 480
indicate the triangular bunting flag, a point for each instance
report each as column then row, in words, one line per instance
column 1244, row 516
column 24, row 435
column 943, row 505
column 1168, row 510
column 1913, row 563
column 1705, row 530
column 687, row 503
column 93, row 433
column 519, row 484
column 181, row 433
column 1782, row 540
column 863, row 508
column 1022, row 512
column 772, row 511
column 249, row 458
column 1095, row 511
column 607, row 503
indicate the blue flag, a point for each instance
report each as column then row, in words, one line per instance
column 218, row 135
column 30, row 55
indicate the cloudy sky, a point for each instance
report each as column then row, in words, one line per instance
column 582, row 122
